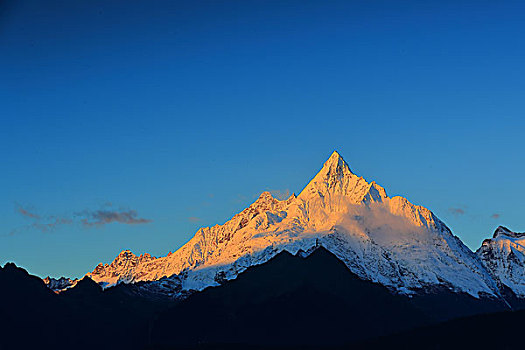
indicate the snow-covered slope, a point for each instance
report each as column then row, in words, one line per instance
column 504, row 256
column 386, row 240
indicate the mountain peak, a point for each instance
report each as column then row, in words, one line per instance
column 59, row 284
column 502, row 230
column 333, row 170
column 336, row 180
column 335, row 155
column 336, row 163
column 265, row 197
column 85, row 287
column 504, row 257
column 351, row 217
column 126, row 254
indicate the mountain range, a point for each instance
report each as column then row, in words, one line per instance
column 340, row 265
column 385, row 240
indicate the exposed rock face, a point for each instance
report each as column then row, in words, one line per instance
column 386, row 240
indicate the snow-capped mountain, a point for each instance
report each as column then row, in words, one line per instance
column 60, row 284
column 391, row 241
column 504, row 256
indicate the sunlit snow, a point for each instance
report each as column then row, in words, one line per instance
column 386, row 240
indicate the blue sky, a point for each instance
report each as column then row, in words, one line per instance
column 179, row 113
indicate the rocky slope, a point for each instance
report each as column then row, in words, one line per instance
column 386, row 240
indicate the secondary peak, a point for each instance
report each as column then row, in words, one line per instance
column 502, row 230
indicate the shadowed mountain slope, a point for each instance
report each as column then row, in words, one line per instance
column 488, row 331
column 34, row 317
column 287, row 301
column 293, row 301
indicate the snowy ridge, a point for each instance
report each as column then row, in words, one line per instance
column 504, row 257
column 386, row 240
column 126, row 268
column 60, row 284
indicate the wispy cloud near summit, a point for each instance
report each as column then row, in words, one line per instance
column 280, row 194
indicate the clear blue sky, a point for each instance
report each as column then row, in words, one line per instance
column 182, row 112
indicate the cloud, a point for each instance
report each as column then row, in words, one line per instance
column 194, row 219
column 87, row 218
column 103, row 217
column 495, row 216
column 27, row 213
column 39, row 222
column 456, row 211
column 51, row 223
column 280, row 194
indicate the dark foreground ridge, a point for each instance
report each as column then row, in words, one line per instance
column 500, row 330
column 296, row 301
column 34, row 317
column 288, row 302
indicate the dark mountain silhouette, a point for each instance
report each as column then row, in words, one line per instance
column 293, row 300
column 500, row 330
column 26, row 309
column 34, row 317
column 286, row 302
